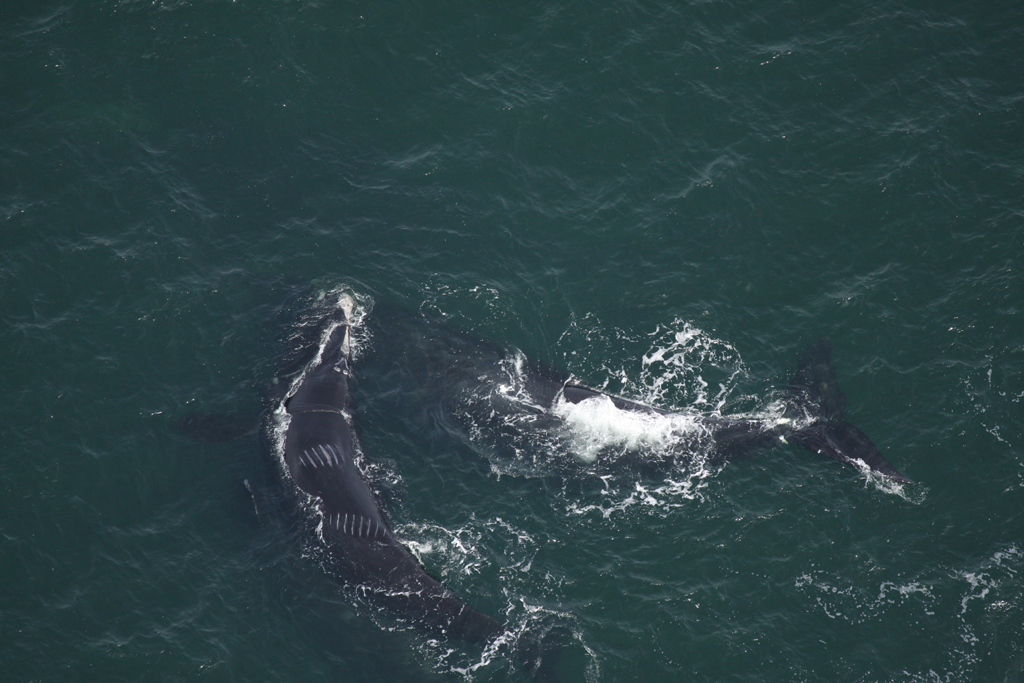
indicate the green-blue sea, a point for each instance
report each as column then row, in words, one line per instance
column 667, row 199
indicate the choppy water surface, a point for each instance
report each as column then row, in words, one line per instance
column 667, row 200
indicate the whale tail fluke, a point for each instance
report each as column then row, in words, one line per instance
column 842, row 441
column 814, row 389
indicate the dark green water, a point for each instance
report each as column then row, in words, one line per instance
column 668, row 199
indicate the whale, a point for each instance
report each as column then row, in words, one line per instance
column 322, row 459
column 310, row 429
column 516, row 410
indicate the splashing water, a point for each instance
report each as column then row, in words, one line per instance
column 596, row 425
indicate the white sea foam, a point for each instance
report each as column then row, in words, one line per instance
column 673, row 368
column 596, row 424
column 676, row 366
column 458, row 555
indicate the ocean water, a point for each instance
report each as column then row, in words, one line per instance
column 668, row 200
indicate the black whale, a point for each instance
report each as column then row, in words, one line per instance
column 320, row 455
column 310, row 428
column 475, row 391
